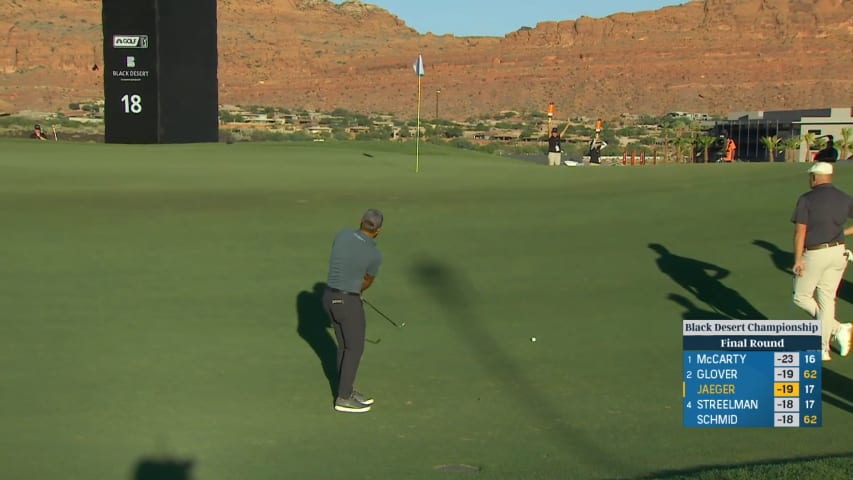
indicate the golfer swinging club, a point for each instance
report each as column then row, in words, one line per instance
column 353, row 265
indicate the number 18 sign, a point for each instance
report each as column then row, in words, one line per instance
column 751, row 373
column 131, row 90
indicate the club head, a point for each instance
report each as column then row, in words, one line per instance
column 375, row 342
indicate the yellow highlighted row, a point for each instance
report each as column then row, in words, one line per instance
column 786, row 389
column 780, row 389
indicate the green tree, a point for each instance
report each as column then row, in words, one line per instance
column 666, row 134
column 529, row 132
column 631, row 132
column 705, row 141
column 809, row 139
column 462, row 143
column 844, row 144
column 453, row 132
column 683, row 148
column 228, row 117
column 772, row 144
column 340, row 134
column 790, row 146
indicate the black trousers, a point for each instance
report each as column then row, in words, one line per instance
column 594, row 156
column 347, row 315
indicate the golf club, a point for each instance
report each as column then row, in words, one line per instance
column 403, row 324
column 374, row 341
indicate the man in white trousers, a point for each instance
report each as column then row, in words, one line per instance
column 820, row 255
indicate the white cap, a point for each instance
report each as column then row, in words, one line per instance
column 821, row 168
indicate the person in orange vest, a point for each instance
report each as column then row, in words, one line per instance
column 730, row 150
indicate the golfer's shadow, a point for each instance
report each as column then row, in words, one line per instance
column 703, row 280
column 163, row 469
column 313, row 326
column 783, row 260
column 837, row 389
column 451, row 290
column 693, row 311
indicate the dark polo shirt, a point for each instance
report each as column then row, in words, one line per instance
column 354, row 254
column 823, row 210
column 829, row 154
column 554, row 144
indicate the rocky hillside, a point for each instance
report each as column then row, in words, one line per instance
column 712, row 56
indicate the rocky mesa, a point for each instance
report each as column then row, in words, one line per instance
column 710, row 56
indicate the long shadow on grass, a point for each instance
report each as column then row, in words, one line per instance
column 837, row 390
column 163, row 469
column 735, row 470
column 783, row 260
column 693, row 311
column 454, row 293
column 313, row 326
column 703, row 280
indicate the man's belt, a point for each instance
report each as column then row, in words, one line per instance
column 335, row 290
column 820, row 246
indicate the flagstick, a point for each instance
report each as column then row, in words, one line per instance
column 418, row 131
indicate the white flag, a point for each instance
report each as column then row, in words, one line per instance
column 419, row 66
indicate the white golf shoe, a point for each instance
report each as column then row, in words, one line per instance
column 842, row 338
column 825, row 356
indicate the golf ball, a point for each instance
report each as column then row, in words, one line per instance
column 532, row 339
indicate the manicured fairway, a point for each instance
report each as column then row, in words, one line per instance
column 156, row 302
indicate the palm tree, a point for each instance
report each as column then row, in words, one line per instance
column 666, row 132
column 790, row 145
column 772, row 143
column 682, row 145
column 680, row 141
column 706, row 141
column 807, row 139
column 844, row 145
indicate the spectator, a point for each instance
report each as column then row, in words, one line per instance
column 730, row 150
column 37, row 133
column 595, row 148
column 555, row 151
column 828, row 153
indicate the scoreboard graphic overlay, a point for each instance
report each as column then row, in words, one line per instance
column 751, row 373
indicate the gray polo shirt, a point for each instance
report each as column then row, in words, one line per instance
column 823, row 210
column 354, row 254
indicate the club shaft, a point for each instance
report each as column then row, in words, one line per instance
column 380, row 312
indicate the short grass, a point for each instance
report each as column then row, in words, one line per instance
column 157, row 303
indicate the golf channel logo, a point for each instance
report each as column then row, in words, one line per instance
column 130, row 41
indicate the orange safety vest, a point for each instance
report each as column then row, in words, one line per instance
column 730, row 150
